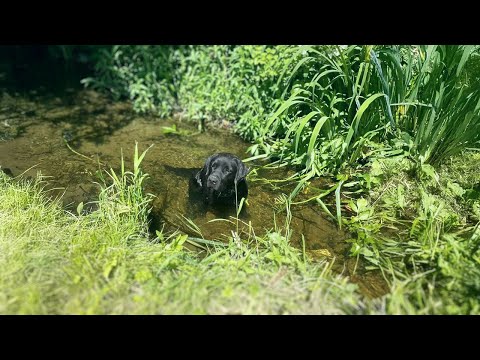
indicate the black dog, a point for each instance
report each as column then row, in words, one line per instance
column 220, row 177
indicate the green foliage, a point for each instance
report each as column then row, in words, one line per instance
column 318, row 107
column 332, row 111
column 235, row 83
column 172, row 130
column 391, row 120
column 344, row 98
column 421, row 230
column 439, row 108
column 122, row 197
column 104, row 261
column 142, row 73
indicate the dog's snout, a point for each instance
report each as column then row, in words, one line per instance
column 213, row 181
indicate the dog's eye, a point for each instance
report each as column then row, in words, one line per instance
column 226, row 170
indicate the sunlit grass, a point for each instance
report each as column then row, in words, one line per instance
column 104, row 262
column 388, row 125
column 422, row 232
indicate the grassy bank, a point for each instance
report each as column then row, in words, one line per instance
column 105, row 262
column 421, row 228
column 396, row 129
column 390, row 125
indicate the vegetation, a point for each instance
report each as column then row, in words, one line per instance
column 104, row 262
column 395, row 128
column 422, row 231
column 319, row 107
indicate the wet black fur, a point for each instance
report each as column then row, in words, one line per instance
column 218, row 177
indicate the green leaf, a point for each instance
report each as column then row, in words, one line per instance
column 366, row 252
column 456, row 189
column 429, row 170
column 376, row 169
column 356, row 120
column 315, row 133
column 362, row 205
column 294, row 99
column 466, row 54
column 324, row 207
column 109, row 267
column 338, row 204
column 302, row 124
column 80, row 208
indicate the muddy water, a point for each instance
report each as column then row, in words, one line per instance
column 35, row 130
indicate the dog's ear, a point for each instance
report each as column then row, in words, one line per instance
column 206, row 168
column 242, row 171
column 205, row 171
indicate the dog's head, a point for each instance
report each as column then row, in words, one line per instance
column 222, row 172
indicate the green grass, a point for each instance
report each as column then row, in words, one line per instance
column 319, row 108
column 104, row 261
column 316, row 107
column 393, row 128
column 342, row 101
column 421, row 228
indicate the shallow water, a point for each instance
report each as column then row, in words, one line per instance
column 35, row 129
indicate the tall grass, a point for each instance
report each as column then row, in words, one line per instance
column 104, row 261
column 317, row 107
column 354, row 96
column 124, row 195
column 339, row 111
column 332, row 111
column 441, row 109
column 55, row 262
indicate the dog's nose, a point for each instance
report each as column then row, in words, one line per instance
column 213, row 182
